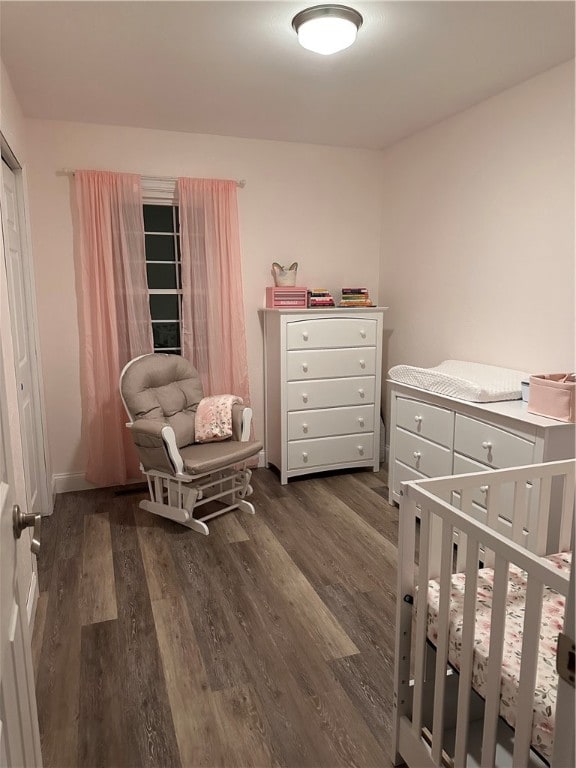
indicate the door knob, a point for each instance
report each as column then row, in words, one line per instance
column 21, row 520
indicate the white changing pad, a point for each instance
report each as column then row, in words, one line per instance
column 476, row 382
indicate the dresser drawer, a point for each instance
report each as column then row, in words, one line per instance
column 344, row 449
column 331, row 421
column 328, row 363
column 331, row 333
column 425, row 457
column 491, row 445
column 464, row 466
column 428, row 421
column 329, row 393
column 402, row 474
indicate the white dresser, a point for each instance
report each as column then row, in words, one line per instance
column 322, row 389
column 433, row 435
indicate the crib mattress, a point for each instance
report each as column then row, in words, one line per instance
column 552, row 623
column 463, row 380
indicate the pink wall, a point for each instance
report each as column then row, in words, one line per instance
column 467, row 228
column 320, row 206
column 478, row 233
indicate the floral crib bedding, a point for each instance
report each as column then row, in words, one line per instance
column 552, row 623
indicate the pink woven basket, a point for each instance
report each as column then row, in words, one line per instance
column 553, row 395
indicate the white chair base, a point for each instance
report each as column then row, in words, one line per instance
column 179, row 498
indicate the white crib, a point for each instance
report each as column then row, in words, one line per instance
column 478, row 585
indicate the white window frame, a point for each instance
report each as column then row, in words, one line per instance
column 157, row 191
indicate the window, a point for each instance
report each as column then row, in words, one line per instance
column 163, row 269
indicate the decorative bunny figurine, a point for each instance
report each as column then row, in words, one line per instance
column 284, row 275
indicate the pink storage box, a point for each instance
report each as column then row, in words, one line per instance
column 288, row 297
column 553, row 395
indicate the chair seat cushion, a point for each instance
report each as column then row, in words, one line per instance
column 208, row 457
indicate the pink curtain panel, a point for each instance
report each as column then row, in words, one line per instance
column 115, row 314
column 213, row 326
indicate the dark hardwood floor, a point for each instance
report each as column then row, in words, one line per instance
column 268, row 643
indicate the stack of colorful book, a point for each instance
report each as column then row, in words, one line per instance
column 355, row 297
column 320, row 297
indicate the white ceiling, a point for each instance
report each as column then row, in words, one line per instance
column 236, row 69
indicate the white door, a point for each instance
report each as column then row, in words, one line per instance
column 19, row 732
column 20, row 299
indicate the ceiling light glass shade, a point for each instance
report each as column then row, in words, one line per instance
column 327, row 29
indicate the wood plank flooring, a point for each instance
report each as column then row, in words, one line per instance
column 268, row 643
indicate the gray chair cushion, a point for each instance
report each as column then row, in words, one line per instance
column 208, row 457
column 164, row 388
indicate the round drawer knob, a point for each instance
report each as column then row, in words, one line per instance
column 305, row 335
column 417, row 455
column 487, row 444
column 484, row 488
column 361, row 421
column 362, row 364
column 361, row 393
column 304, row 397
column 304, row 427
column 363, row 334
column 304, row 456
column 418, row 419
column 305, row 367
column 361, row 450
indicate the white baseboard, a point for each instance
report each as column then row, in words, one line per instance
column 70, row 481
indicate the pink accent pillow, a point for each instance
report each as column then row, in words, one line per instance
column 214, row 418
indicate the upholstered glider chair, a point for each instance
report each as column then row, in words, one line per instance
column 169, row 416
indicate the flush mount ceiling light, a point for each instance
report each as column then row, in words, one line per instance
column 327, row 29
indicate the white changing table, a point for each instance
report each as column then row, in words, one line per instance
column 433, row 435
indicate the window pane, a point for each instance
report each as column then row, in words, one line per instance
column 164, row 306
column 158, row 218
column 166, row 335
column 177, row 217
column 160, row 248
column 161, row 275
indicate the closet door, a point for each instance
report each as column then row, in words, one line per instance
column 19, row 730
column 25, row 360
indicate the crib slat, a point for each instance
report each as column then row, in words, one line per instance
column 435, row 556
column 404, row 616
column 466, row 656
column 567, row 511
column 492, row 698
column 421, row 622
column 539, row 543
column 466, row 507
column 493, row 509
column 520, row 511
column 528, row 669
column 442, row 643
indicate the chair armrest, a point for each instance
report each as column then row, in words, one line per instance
column 147, row 432
column 154, row 438
column 241, row 422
